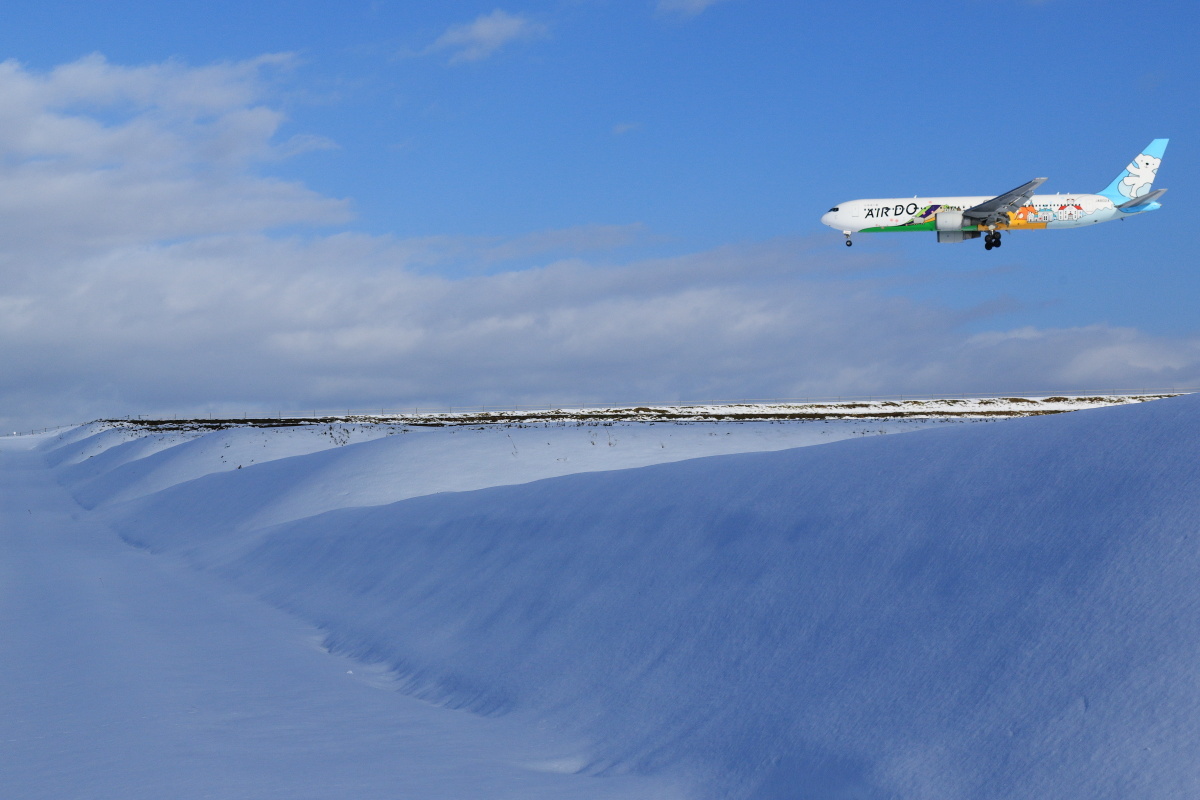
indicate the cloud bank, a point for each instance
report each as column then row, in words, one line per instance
column 142, row 270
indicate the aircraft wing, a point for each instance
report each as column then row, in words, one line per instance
column 996, row 208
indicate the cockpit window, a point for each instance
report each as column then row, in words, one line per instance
column 835, row 208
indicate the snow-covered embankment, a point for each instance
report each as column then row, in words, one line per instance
column 994, row 610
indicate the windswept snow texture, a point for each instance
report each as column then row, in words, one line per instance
column 994, row 610
column 297, row 472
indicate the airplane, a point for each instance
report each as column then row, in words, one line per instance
column 957, row 219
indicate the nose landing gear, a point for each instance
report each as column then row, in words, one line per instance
column 848, row 242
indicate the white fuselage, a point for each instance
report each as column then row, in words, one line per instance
column 958, row 219
column 903, row 213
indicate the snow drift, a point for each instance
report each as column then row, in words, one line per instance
column 1000, row 610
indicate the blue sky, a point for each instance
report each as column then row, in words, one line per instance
column 619, row 166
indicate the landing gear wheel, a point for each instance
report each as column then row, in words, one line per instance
column 987, row 243
column 996, row 241
column 849, row 243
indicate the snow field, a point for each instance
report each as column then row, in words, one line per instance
column 987, row 611
column 978, row 611
column 130, row 676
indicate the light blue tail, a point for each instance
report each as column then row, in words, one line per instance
column 1138, row 177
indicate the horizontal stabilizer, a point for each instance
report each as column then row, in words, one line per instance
column 1143, row 200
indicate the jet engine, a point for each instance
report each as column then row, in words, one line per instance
column 949, row 227
column 949, row 221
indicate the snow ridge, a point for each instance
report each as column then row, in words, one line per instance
column 981, row 610
column 858, row 409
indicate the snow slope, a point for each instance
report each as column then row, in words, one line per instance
column 983, row 611
column 130, row 677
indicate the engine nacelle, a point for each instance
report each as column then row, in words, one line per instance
column 948, row 221
column 949, row 226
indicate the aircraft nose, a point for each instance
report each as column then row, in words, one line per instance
column 828, row 219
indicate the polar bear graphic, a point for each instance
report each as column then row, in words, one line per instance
column 1141, row 175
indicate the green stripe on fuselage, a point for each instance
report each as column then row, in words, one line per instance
column 912, row 226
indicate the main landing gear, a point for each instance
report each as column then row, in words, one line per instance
column 991, row 240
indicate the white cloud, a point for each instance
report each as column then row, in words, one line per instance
column 249, row 323
column 483, row 37
column 687, row 8
column 95, row 155
column 138, row 274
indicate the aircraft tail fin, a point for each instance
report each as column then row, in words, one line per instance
column 1138, row 177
